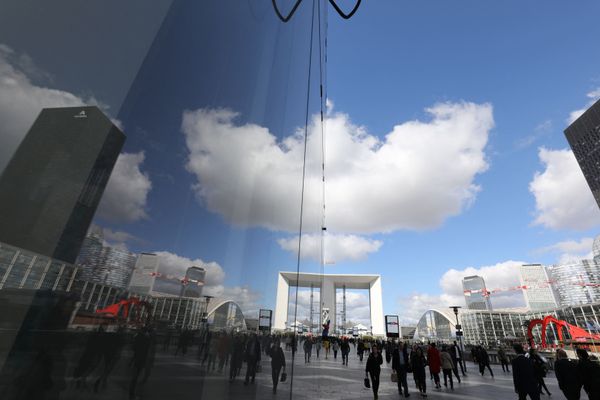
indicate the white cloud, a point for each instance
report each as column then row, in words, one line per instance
column 500, row 276
column 21, row 100
column 420, row 174
column 563, row 198
column 338, row 247
column 594, row 95
column 126, row 193
column 570, row 250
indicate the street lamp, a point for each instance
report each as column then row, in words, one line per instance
column 459, row 332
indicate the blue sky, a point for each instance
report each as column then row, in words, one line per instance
column 196, row 81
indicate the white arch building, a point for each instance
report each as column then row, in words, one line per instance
column 328, row 283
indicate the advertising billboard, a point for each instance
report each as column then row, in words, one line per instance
column 264, row 320
column 392, row 326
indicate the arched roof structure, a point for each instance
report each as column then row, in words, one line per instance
column 436, row 324
column 223, row 313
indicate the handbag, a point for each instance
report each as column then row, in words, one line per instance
column 394, row 377
column 283, row 376
column 367, row 383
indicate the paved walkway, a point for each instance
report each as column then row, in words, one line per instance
column 176, row 378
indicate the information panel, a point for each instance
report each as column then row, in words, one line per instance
column 392, row 326
column 264, row 320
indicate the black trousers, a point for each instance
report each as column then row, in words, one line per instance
column 275, row 375
column 504, row 364
column 532, row 395
column 482, row 369
column 402, row 384
column 448, row 374
column 459, row 361
column 251, row 369
column 375, row 381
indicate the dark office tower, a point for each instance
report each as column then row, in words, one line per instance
column 584, row 138
column 51, row 187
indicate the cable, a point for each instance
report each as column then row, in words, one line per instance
column 281, row 17
column 312, row 22
column 333, row 3
column 339, row 10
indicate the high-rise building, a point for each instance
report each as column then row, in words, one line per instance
column 105, row 264
column 576, row 283
column 584, row 138
column 193, row 282
column 144, row 273
column 476, row 295
column 50, row 189
column 538, row 291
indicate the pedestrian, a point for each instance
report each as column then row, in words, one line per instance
column 589, row 371
column 418, row 363
column 484, row 361
column 327, row 345
column 447, row 367
column 335, row 347
column 307, row 350
column 569, row 380
column 540, row 369
column 237, row 357
column 401, row 365
column 524, row 376
column 345, row 348
column 317, row 345
column 435, row 364
column 277, row 363
column 360, row 350
column 252, row 355
column 503, row 358
column 373, row 369
column 457, row 360
column 141, row 345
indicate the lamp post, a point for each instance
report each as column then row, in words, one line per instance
column 459, row 332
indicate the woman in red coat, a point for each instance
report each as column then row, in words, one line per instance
column 435, row 364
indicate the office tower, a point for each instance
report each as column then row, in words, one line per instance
column 104, row 264
column 537, row 287
column 144, row 273
column 50, row 189
column 193, row 282
column 576, row 283
column 584, row 138
column 476, row 294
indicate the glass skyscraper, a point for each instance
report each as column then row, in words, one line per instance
column 538, row 292
column 584, row 138
column 576, row 282
column 476, row 295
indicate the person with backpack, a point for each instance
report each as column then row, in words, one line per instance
column 540, row 369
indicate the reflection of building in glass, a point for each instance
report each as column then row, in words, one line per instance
column 538, row 292
column 225, row 315
column 436, row 325
column 476, row 295
column 576, row 282
column 491, row 327
column 104, row 264
column 23, row 269
column 50, row 189
column 149, row 278
column 584, row 138
column 193, row 282
column 596, row 249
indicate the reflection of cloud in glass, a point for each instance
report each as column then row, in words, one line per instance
column 417, row 176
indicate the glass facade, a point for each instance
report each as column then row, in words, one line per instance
column 538, row 293
column 436, row 325
column 576, row 282
column 476, row 294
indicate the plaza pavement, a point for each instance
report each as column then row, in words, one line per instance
column 176, row 378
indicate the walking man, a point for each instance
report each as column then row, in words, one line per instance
column 524, row 376
column 400, row 365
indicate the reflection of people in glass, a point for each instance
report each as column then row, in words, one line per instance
column 109, row 347
column 90, row 358
column 252, row 356
column 277, row 363
column 141, row 345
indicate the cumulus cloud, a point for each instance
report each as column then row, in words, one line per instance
column 563, row 199
column 501, row 276
column 418, row 175
column 570, row 250
column 593, row 96
column 21, row 100
column 126, row 193
column 337, row 247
